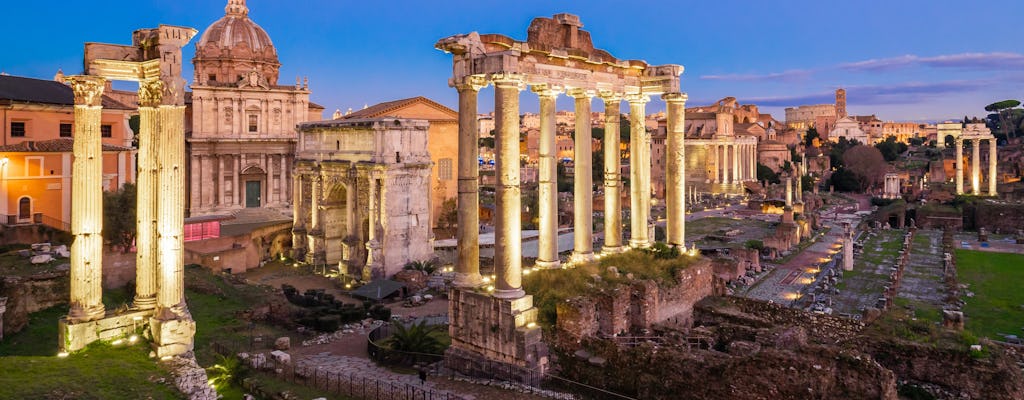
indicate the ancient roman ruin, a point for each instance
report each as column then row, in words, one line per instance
column 975, row 133
column 154, row 60
column 362, row 196
column 558, row 57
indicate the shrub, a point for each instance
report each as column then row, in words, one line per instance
column 427, row 266
column 380, row 312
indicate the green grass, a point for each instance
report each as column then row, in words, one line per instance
column 30, row 369
column 11, row 264
column 995, row 280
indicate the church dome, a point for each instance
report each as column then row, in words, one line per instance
column 232, row 47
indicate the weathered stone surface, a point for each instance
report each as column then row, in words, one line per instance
column 26, row 295
column 283, row 343
column 190, row 378
column 414, row 280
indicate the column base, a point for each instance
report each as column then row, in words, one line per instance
column 614, row 249
column 509, row 294
column 80, row 315
column 76, row 335
column 464, row 280
column 547, row 264
column 487, row 332
column 582, row 257
column 639, row 244
column 144, row 303
column 172, row 336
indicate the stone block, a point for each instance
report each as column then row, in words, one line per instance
column 172, row 337
column 280, row 358
column 283, row 343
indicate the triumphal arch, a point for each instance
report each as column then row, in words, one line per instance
column 498, row 323
column 154, row 60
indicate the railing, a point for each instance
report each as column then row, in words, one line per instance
column 37, row 218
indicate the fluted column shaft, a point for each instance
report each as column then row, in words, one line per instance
column 467, row 265
column 508, row 258
column 675, row 169
column 583, row 180
column 736, row 176
column 713, row 160
column 299, row 224
column 547, row 196
column 170, row 211
column 975, row 166
column 789, row 191
column 727, row 174
column 992, row 167
column 147, row 194
column 959, row 146
column 639, row 210
column 612, row 178
column 87, row 201
column 313, row 235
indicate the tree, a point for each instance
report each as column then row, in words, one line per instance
column 487, row 142
column 449, row 217
column 766, row 174
column 835, row 154
column 890, row 148
column 844, row 180
column 1001, row 108
column 867, row 164
column 810, row 136
column 119, row 226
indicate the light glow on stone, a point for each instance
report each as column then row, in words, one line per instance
column 62, row 354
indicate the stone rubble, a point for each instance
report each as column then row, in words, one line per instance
column 190, row 378
column 348, row 329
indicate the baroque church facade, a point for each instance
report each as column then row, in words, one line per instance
column 242, row 138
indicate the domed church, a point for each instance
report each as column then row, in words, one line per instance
column 242, row 137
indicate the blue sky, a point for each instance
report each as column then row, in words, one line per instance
column 899, row 59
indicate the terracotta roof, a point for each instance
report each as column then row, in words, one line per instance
column 314, row 105
column 30, row 90
column 383, row 109
column 62, row 145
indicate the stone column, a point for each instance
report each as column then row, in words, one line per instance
column 959, row 146
column 298, row 219
column 87, row 201
column 238, row 180
column 737, row 177
column 713, row 160
column 753, row 162
column 789, row 191
column 799, row 186
column 675, row 169
column 583, row 180
column 373, row 256
column 170, row 215
column 992, row 167
column 314, row 229
column 612, row 178
column 547, row 196
column 639, row 210
column 150, row 95
column 220, row 181
column 975, row 166
column 467, row 266
column 727, row 174
column 508, row 238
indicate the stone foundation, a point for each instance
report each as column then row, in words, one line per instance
column 76, row 336
column 172, row 336
column 490, row 334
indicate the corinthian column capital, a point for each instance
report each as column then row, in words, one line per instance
column 509, row 80
column 579, row 93
column 675, row 97
column 637, row 98
column 609, row 96
column 151, row 93
column 547, row 90
column 471, row 82
column 88, row 89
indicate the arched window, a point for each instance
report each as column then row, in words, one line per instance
column 24, row 208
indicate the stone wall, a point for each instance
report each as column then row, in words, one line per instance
column 26, row 295
column 742, row 311
column 995, row 217
column 636, row 308
column 240, row 252
column 486, row 330
column 118, row 269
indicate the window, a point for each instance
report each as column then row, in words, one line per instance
column 17, row 129
column 254, row 121
column 106, row 131
column 444, row 169
column 213, row 78
column 65, row 130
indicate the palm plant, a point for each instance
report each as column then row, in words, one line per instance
column 416, row 338
column 427, row 266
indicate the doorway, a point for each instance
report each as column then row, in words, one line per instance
column 252, row 194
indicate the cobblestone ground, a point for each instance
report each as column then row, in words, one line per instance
column 863, row 286
column 922, row 287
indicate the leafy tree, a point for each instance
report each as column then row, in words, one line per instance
column 766, row 174
column 487, row 142
column 835, row 154
column 597, row 168
column 415, row 338
column 809, row 137
column 119, row 226
column 890, row 148
column 844, row 180
column 867, row 164
column 449, row 217
column 788, row 167
column 807, row 182
column 564, row 182
column 754, row 244
column 1001, row 108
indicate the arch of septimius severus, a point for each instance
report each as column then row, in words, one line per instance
column 153, row 60
column 557, row 58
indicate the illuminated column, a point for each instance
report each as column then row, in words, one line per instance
column 713, row 160
column 639, row 210
column 612, row 178
column 547, row 199
column 508, row 239
column 753, row 162
column 220, row 180
column 992, row 166
column 799, row 186
column 789, row 191
column 975, row 166
column 282, row 191
column 583, row 180
column 467, row 266
column 959, row 146
column 150, row 95
column 373, row 257
column 675, row 169
column 726, row 165
column 87, row 201
column 313, row 242
column 238, row 182
column 299, row 219
column 170, row 215
column 736, row 176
